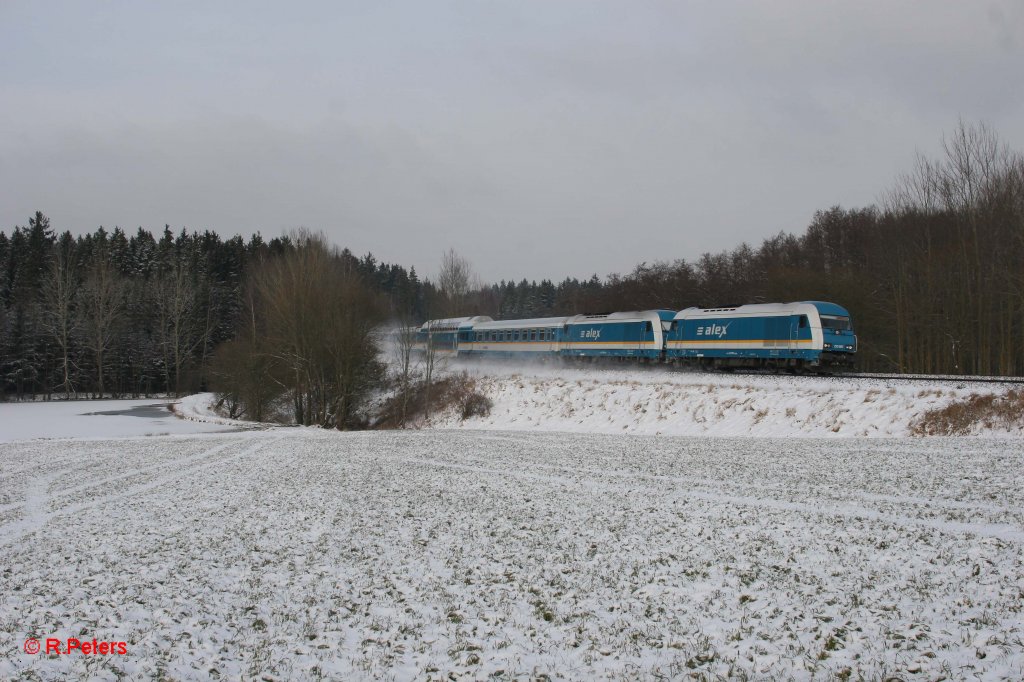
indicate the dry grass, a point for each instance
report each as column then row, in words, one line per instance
column 961, row 417
column 456, row 391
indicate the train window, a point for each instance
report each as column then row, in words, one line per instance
column 533, row 335
column 835, row 323
column 648, row 328
column 803, row 322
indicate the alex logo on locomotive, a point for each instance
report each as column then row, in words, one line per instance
column 718, row 330
column 593, row 334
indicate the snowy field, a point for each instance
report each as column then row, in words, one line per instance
column 293, row 553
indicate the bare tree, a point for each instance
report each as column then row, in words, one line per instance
column 101, row 310
column 455, row 281
column 403, row 342
column 244, row 368
column 59, row 319
column 429, row 366
column 319, row 320
column 179, row 325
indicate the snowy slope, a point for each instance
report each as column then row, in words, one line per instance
column 658, row 401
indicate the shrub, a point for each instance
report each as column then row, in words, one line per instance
column 476, row 405
column 454, row 392
column 960, row 417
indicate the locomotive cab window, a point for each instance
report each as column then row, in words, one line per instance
column 835, row 323
column 803, row 322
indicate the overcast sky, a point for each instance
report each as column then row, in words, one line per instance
column 539, row 139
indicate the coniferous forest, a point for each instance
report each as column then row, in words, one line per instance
column 934, row 278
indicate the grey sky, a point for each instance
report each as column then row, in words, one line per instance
column 540, row 139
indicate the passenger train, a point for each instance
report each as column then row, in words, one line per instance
column 804, row 335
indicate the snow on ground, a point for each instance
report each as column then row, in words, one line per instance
column 613, row 399
column 93, row 418
column 289, row 553
column 200, row 407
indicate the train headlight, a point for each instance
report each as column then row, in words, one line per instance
column 827, row 346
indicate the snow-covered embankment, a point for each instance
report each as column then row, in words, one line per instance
column 658, row 401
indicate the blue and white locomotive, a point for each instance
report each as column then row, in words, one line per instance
column 808, row 334
column 792, row 335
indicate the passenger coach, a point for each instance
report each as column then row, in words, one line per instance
column 638, row 334
column 524, row 338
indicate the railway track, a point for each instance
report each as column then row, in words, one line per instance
column 608, row 363
column 951, row 378
column 935, row 377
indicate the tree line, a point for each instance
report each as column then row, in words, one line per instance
column 110, row 314
column 934, row 278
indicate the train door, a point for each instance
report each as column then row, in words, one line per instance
column 798, row 325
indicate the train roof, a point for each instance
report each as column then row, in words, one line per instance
column 451, row 323
column 794, row 308
column 826, row 308
column 536, row 322
column 628, row 316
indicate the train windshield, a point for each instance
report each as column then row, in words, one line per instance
column 835, row 323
